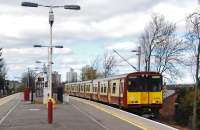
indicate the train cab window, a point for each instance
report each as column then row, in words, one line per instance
column 113, row 88
column 144, row 84
column 155, row 84
column 136, row 84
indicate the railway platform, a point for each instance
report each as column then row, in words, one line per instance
column 78, row 114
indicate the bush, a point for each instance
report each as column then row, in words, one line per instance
column 184, row 107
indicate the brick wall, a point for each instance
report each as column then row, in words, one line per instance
column 168, row 110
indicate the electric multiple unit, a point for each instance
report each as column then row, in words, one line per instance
column 139, row 91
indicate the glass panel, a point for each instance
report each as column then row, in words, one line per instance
column 136, row 84
column 144, row 84
column 154, row 84
column 114, row 88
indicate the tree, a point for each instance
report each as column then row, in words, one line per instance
column 193, row 36
column 28, row 79
column 184, row 106
column 159, row 40
column 88, row 73
column 169, row 55
column 109, row 64
column 2, row 72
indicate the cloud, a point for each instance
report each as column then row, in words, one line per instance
column 122, row 46
column 115, row 22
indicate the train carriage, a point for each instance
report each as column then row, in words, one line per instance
column 134, row 90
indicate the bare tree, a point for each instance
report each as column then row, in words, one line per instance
column 154, row 34
column 193, row 36
column 28, row 79
column 3, row 72
column 169, row 55
column 95, row 62
column 159, row 40
column 109, row 64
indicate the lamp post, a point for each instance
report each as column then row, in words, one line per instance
column 139, row 56
column 195, row 21
column 50, row 47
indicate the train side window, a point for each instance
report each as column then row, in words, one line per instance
column 104, row 88
column 101, row 88
column 113, row 88
column 84, row 88
column 96, row 88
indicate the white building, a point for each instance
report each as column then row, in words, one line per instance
column 71, row 76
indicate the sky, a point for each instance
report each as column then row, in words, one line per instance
column 100, row 26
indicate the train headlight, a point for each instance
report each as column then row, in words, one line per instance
column 155, row 101
column 133, row 98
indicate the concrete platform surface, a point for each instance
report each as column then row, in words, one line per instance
column 72, row 116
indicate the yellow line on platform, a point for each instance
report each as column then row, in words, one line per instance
column 111, row 113
column 7, row 99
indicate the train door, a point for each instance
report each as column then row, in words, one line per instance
column 120, row 91
column 84, row 90
column 144, row 93
column 109, row 92
column 98, row 91
column 144, row 97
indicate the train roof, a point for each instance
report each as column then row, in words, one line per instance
column 117, row 77
column 88, row 81
column 112, row 77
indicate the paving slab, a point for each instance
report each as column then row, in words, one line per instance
column 72, row 116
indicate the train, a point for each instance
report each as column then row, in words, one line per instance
column 141, row 92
